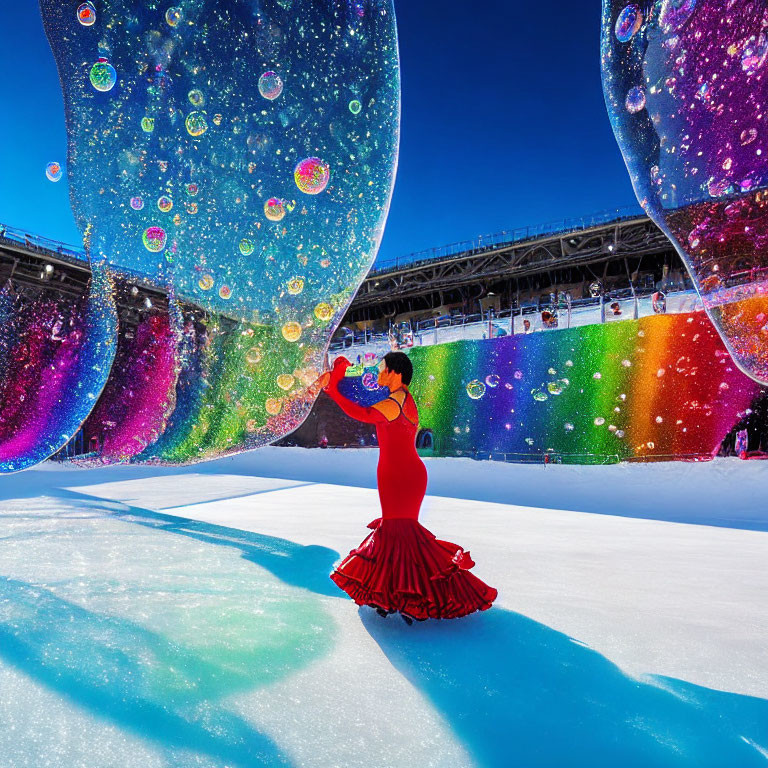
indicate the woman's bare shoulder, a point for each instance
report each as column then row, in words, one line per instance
column 388, row 408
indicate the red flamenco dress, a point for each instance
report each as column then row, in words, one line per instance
column 401, row 566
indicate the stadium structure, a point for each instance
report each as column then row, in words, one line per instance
column 599, row 269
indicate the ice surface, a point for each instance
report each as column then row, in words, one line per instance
column 161, row 617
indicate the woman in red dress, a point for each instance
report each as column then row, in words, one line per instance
column 401, row 566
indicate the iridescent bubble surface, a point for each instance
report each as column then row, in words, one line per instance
column 312, row 175
column 270, row 85
column 628, row 22
column 274, row 209
column 53, row 171
column 695, row 145
column 86, row 14
column 103, row 76
column 475, row 389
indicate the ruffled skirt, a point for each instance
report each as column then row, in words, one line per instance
column 401, row 566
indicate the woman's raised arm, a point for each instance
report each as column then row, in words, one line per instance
column 352, row 409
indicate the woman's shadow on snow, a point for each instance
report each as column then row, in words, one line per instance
column 519, row 693
column 303, row 566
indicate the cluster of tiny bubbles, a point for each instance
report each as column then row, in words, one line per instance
column 271, row 85
column 475, row 389
column 137, row 203
column 312, row 175
column 246, row 246
column 492, row 381
column 518, row 375
column 103, row 75
column 355, row 107
column 54, row 172
column 86, row 14
column 173, row 16
column 154, row 239
column 274, row 209
column 568, row 426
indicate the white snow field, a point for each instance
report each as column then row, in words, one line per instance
column 155, row 618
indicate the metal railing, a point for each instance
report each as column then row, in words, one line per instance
column 662, row 457
column 507, row 237
column 479, row 326
column 42, row 244
column 545, row 458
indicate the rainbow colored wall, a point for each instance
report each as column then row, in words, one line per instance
column 660, row 387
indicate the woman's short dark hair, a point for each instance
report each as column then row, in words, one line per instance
column 398, row 362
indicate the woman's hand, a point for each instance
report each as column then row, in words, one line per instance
column 334, row 376
column 340, row 365
column 341, row 362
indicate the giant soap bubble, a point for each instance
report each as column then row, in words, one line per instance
column 262, row 184
column 686, row 85
column 55, row 356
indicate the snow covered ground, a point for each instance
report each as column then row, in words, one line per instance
column 158, row 618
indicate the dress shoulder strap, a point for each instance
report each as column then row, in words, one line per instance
column 402, row 405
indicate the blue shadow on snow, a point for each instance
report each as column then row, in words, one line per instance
column 518, row 693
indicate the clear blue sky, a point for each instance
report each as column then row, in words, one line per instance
column 503, row 122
